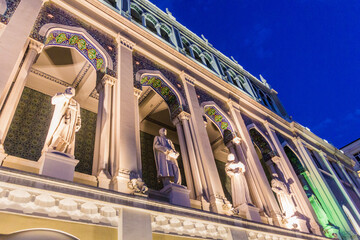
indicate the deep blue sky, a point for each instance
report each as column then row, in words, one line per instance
column 307, row 50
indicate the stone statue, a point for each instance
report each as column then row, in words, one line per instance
column 239, row 188
column 166, row 159
column 284, row 197
column 65, row 123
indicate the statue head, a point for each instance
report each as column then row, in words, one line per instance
column 162, row 131
column 70, row 91
column 231, row 157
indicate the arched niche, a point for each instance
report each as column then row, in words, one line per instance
column 40, row 234
column 78, row 39
column 159, row 104
column 162, row 86
column 220, row 119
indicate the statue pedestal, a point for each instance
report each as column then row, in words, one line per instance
column 249, row 212
column 297, row 223
column 58, row 165
column 104, row 179
column 178, row 194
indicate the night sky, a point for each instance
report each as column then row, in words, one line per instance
column 307, row 50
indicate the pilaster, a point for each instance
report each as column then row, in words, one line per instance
column 218, row 202
column 13, row 42
column 8, row 109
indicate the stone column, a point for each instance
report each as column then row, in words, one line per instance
column 13, row 43
column 124, row 167
column 192, row 156
column 103, row 127
column 218, row 202
column 264, row 198
column 8, row 110
column 185, row 157
column 137, row 93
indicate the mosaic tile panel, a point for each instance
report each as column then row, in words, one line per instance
column 148, row 162
column 85, row 141
column 51, row 13
column 165, row 91
column 30, row 125
column 218, row 119
column 79, row 42
column 11, row 7
column 142, row 63
column 224, row 179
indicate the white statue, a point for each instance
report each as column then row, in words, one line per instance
column 65, row 123
column 166, row 159
column 284, row 197
column 239, row 188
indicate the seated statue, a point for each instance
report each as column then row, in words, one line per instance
column 64, row 124
column 166, row 159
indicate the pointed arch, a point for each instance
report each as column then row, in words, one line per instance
column 220, row 119
column 79, row 39
column 294, row 159
column 261, row 141
column 161, row 85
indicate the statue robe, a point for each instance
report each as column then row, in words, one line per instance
column 65, row 122
column 165, row 159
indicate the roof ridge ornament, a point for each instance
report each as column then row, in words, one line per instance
column 170, row 14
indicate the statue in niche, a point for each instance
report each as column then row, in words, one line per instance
column 66, row 121
column 166, row 159
column 284, row 197
column 239, row 188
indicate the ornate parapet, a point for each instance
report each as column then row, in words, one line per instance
column 182, row 226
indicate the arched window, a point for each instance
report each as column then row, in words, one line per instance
column 197, row 53
column 270, row 101
column 151, row 23
column 186, row 45
column 136, row 13
column 165, row 32
column 240, row 82
column 263, row 99
column 232, row 76
column 208, row 60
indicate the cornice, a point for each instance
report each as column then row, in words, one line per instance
column 123, row 41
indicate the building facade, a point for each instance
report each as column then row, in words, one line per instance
column 85, row 87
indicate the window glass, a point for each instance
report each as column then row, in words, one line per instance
column 197, row 52
column 357, row 156
column 165, row 35
column 150, row 24
column 316, row 160
column 338, row 171
column 136, row 16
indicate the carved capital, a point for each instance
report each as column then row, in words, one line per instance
column 108, row 80
column 137, row 92
column 183, row 116
column 36, row 45
column 125, row 42
column 236, row 140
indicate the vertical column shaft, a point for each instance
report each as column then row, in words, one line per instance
column 8, row 110
column 13, row 42
column 185, row 158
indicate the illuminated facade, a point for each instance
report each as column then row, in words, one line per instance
column 243, row 169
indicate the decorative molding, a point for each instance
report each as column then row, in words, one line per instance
column 49, row 77
column 125, row 42
column 137, row 92
column 186, row 227
column 94, row 94
column 84, row 70
column 53, row 205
